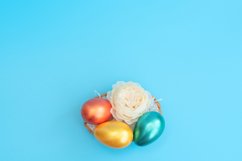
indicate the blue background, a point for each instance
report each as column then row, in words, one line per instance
column 54, row 54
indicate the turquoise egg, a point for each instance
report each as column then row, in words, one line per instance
column 148, row 128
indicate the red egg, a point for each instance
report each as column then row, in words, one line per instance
column 96, row 110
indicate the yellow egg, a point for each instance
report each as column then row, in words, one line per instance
column 115, row 134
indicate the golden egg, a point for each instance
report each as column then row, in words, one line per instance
column 115, row 134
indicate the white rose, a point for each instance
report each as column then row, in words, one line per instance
column 129, row 101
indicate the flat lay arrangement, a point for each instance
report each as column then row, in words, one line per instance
column 126, row 113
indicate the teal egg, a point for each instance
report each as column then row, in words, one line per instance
column 148, row 128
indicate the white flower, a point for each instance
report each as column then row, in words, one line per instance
column 129, row 101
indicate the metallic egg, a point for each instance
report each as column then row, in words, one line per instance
column 148, row 128
column 96, row 111
column 115, row 134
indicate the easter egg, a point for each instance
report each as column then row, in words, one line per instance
column 115, row 134
column 96, row 110
column 148, row 128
